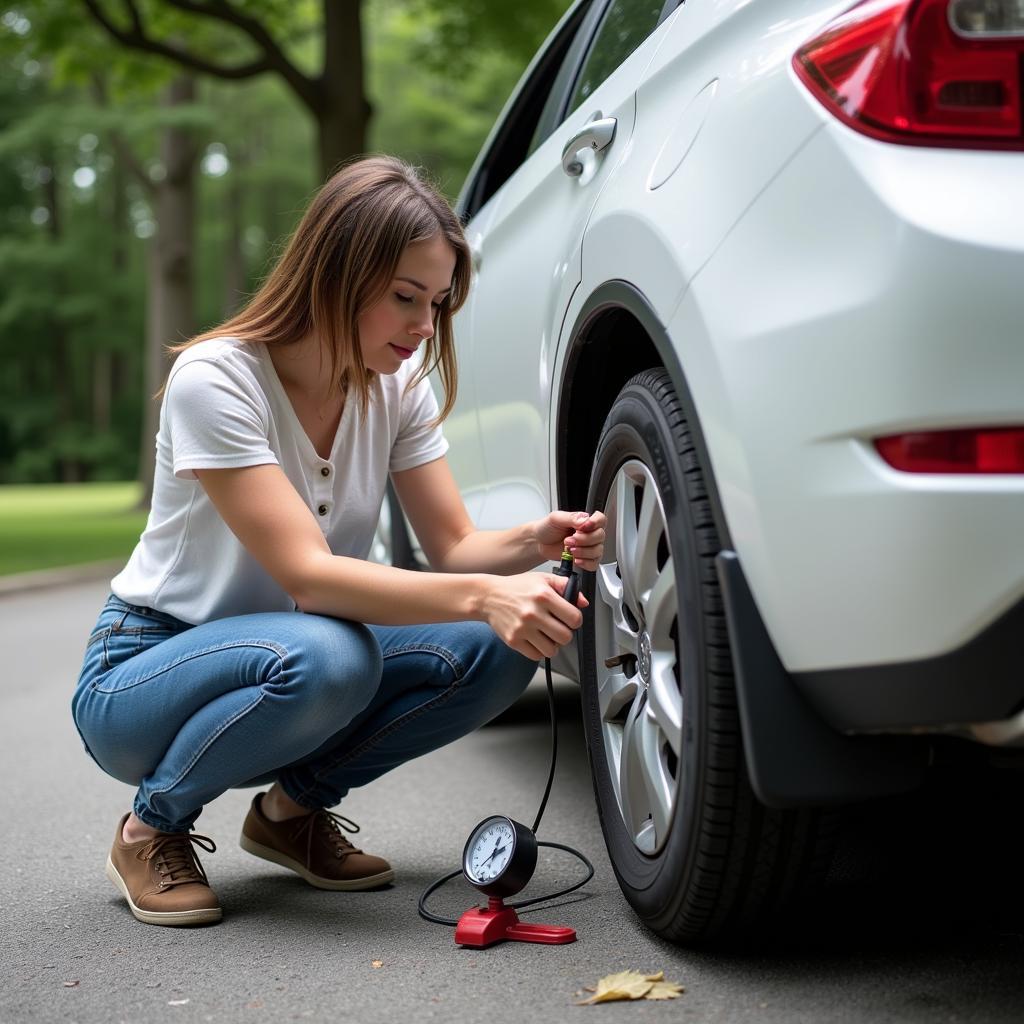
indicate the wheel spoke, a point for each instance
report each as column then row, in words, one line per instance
column 664, row 700
column 615, row 691
column 658, row 784
column 609, row 588
column 661, row 607
column 646, row 789
column 632, row 786
column 626, row 539
column 649, row 529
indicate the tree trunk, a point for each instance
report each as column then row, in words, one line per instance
column 345, row 112
column 234, row 255
column 105, row 366
column 109, row 371
column 170, row 312
column 101, row 390
column 68, row 469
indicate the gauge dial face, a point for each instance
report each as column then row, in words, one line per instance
column 490, row 849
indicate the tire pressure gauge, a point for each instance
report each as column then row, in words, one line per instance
column 500, row 856
column 499, row 859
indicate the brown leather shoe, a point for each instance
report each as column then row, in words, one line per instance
column 162, row 879
column 313, row 846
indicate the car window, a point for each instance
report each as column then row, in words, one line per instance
column 511, row 142
column 626, row 24
column 554, row 108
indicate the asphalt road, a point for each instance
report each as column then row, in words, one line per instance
column 922, row 923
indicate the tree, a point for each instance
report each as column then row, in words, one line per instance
column 84, row 126
column 334, row 95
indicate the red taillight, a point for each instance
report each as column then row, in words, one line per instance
column 985, row 450
column 922, row 72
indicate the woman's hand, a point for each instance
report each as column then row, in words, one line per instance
column 583, row 535
column 529, row 613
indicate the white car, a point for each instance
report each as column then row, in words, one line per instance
column 750, row 279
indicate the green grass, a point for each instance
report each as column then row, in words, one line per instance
column 43, row 526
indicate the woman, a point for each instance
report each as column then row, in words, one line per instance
column 248, row 641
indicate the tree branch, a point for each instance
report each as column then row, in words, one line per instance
column 275, row 57
column 137, row 39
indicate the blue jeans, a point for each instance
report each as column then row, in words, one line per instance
column 318, row 704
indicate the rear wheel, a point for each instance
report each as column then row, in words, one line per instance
column 695, row 853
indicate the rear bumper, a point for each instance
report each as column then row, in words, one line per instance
column 982, row 681
column 796, row 726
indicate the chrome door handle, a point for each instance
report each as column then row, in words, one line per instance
column 596, row 135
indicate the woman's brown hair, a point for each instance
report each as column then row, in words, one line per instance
column 340, row 261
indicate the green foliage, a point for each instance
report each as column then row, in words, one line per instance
column 457, row 37
column 80, row 122
column 431, row 118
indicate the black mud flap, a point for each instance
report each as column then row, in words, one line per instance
column 794, row 758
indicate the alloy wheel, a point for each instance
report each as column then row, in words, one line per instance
column 636, row 630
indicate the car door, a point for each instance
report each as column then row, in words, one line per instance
column 527, row 246
column 527, row 117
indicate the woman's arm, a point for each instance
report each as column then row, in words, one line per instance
column 263, row 509
column 431, row 500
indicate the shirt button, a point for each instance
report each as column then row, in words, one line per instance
column 324, row 471
column 322, row 510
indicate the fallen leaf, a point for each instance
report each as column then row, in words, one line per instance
column 632, row 985
column 256, row 1004
column 72, row 984
column 377, row 963
column 624, row 985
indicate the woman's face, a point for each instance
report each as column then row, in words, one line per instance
column 392, row 330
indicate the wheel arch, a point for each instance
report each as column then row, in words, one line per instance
column 819, row 766
column 616, row 335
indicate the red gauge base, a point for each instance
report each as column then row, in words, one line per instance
column 498, row 923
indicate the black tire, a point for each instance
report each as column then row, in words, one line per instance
column 726, row 863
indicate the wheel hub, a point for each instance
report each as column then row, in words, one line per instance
column 644, row 659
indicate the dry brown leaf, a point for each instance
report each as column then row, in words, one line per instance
column 377, row 963
column 624, row 985
column 632, row 985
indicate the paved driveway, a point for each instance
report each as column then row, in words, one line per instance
column 942, row 944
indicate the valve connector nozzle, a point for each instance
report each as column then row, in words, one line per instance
column 565, row 566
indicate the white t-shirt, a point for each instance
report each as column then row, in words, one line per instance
column 225, row 406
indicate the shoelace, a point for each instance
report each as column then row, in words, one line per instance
column 176, row 861
column 328, row 824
